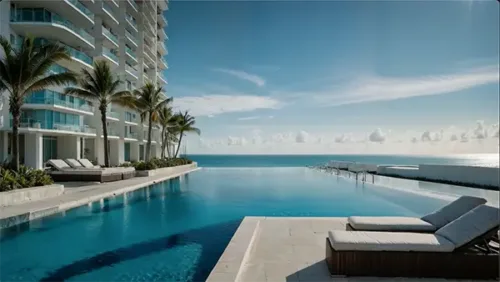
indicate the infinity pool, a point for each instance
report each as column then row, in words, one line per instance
column 176, row 230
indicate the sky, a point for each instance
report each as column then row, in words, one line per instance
column 352, row 77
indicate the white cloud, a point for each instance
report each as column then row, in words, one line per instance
column 414, row 140
column 464, row 137
column 236, row 141
column 210, row 105
column 453, row 137
column 429, row 136
column 343, row 138
column 378, row 88
column 270, row 117
column 302, row 137
column 249, row 118
column 495, row 130
column 377, row 136
column 480, row 131
column 255, row 79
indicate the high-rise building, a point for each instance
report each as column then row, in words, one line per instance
column 129, row 34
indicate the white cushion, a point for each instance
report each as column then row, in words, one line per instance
column 73, row 163
column 59, row 164
column 453, row 211
column 86, row 163
column 471, row 225
column 388, row 241
column 389, row 223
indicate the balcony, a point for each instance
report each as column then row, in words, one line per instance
column 131, row 5
column 131, row 72
column 50, row 25
column 57, row 69
column 108, row 55
column 112, row 132
column 131, row 57
column 111, row 37
column 131, row 21
column 110, row 19
column 150, row 60
column 162, row 48
column 131, row 118
column 162, row 64
column 131, row 135
column 162, row 34
column 131, row 38
column 79, row 60
column 161, row 20
column 163, row 4
column 34, row 124
column 112, row 115
column 51, row 100
column 161, row 78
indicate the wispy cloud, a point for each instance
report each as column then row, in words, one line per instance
column 378, row 88
column 209, row 105
column 253, row 78
column 249, row 118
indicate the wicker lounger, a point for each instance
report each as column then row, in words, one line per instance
column 426, row 224
column 456, row 257
column 65, row 173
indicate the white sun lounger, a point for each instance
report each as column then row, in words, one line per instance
column 428, row 223
column 87, row 164
column 74, row 163
column 445, row 253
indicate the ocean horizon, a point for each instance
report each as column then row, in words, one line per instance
column 298, row 160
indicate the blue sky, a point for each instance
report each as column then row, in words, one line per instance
column 336, row 76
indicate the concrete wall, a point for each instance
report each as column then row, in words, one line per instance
column 68, row 147
column 20, row 196
column 165, row 170
column 472, row 175
column 382, row 169
column 34, row 147
column 409, row 172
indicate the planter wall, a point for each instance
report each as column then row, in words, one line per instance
column 20, row 196
column 471, row 175
column 165, row 170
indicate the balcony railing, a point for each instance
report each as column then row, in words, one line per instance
column 131, row 70
column 113, row 114
column 106, row 7
column 48, row 97
column 133, row 135
column 108, row 53
column 131, row 20
column 81, row 7
column 130, row 52
column 129, row 35
column 112, row 132
column 57, row 69
column 38, row 124
column 130, row 117
column 110, row 35
column 132, row 2
column 43, row 15
column 79, row 55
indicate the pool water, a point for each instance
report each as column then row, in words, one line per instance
column 177, row 230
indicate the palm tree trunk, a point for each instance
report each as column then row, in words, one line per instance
column 148, row 145
column 168, row 144
column 163, row 141
column 105, row 134
column 179, row 145
column 16, row 117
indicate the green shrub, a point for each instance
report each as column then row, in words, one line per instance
column 24, row 178
column 158, row 163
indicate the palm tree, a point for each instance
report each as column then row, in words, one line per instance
column 150, row 101
column 24, row 70
column 186, row 123
column 168, row 122
column 102, row 86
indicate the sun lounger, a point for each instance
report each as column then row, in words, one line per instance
column 428, row 223
column 74, row 163
column 63, row 172
column 451, row 252
column 87, row 164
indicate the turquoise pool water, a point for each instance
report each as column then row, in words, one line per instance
column 176, row 230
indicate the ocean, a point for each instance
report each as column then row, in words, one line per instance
column 487, row 160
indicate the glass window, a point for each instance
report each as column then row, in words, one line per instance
column 27, row 14
column 39, row 15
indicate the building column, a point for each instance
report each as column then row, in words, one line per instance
column 117, row 152
column 134, row 151
column 4, row 146
column 33, row 146
column 69, row 147
column 99, row 149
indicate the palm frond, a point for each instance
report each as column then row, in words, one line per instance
column 52, row 80
column 80, row 92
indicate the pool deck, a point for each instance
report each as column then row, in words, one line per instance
column 78, row 194
column 275, row 249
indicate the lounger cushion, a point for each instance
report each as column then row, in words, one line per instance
column 389, row 223
column 453, row 211
column 58, row 164
column 388, row 241
column 471, row 225
column 73, row 163
column 86, row 163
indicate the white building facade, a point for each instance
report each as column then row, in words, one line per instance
column 129, row 34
